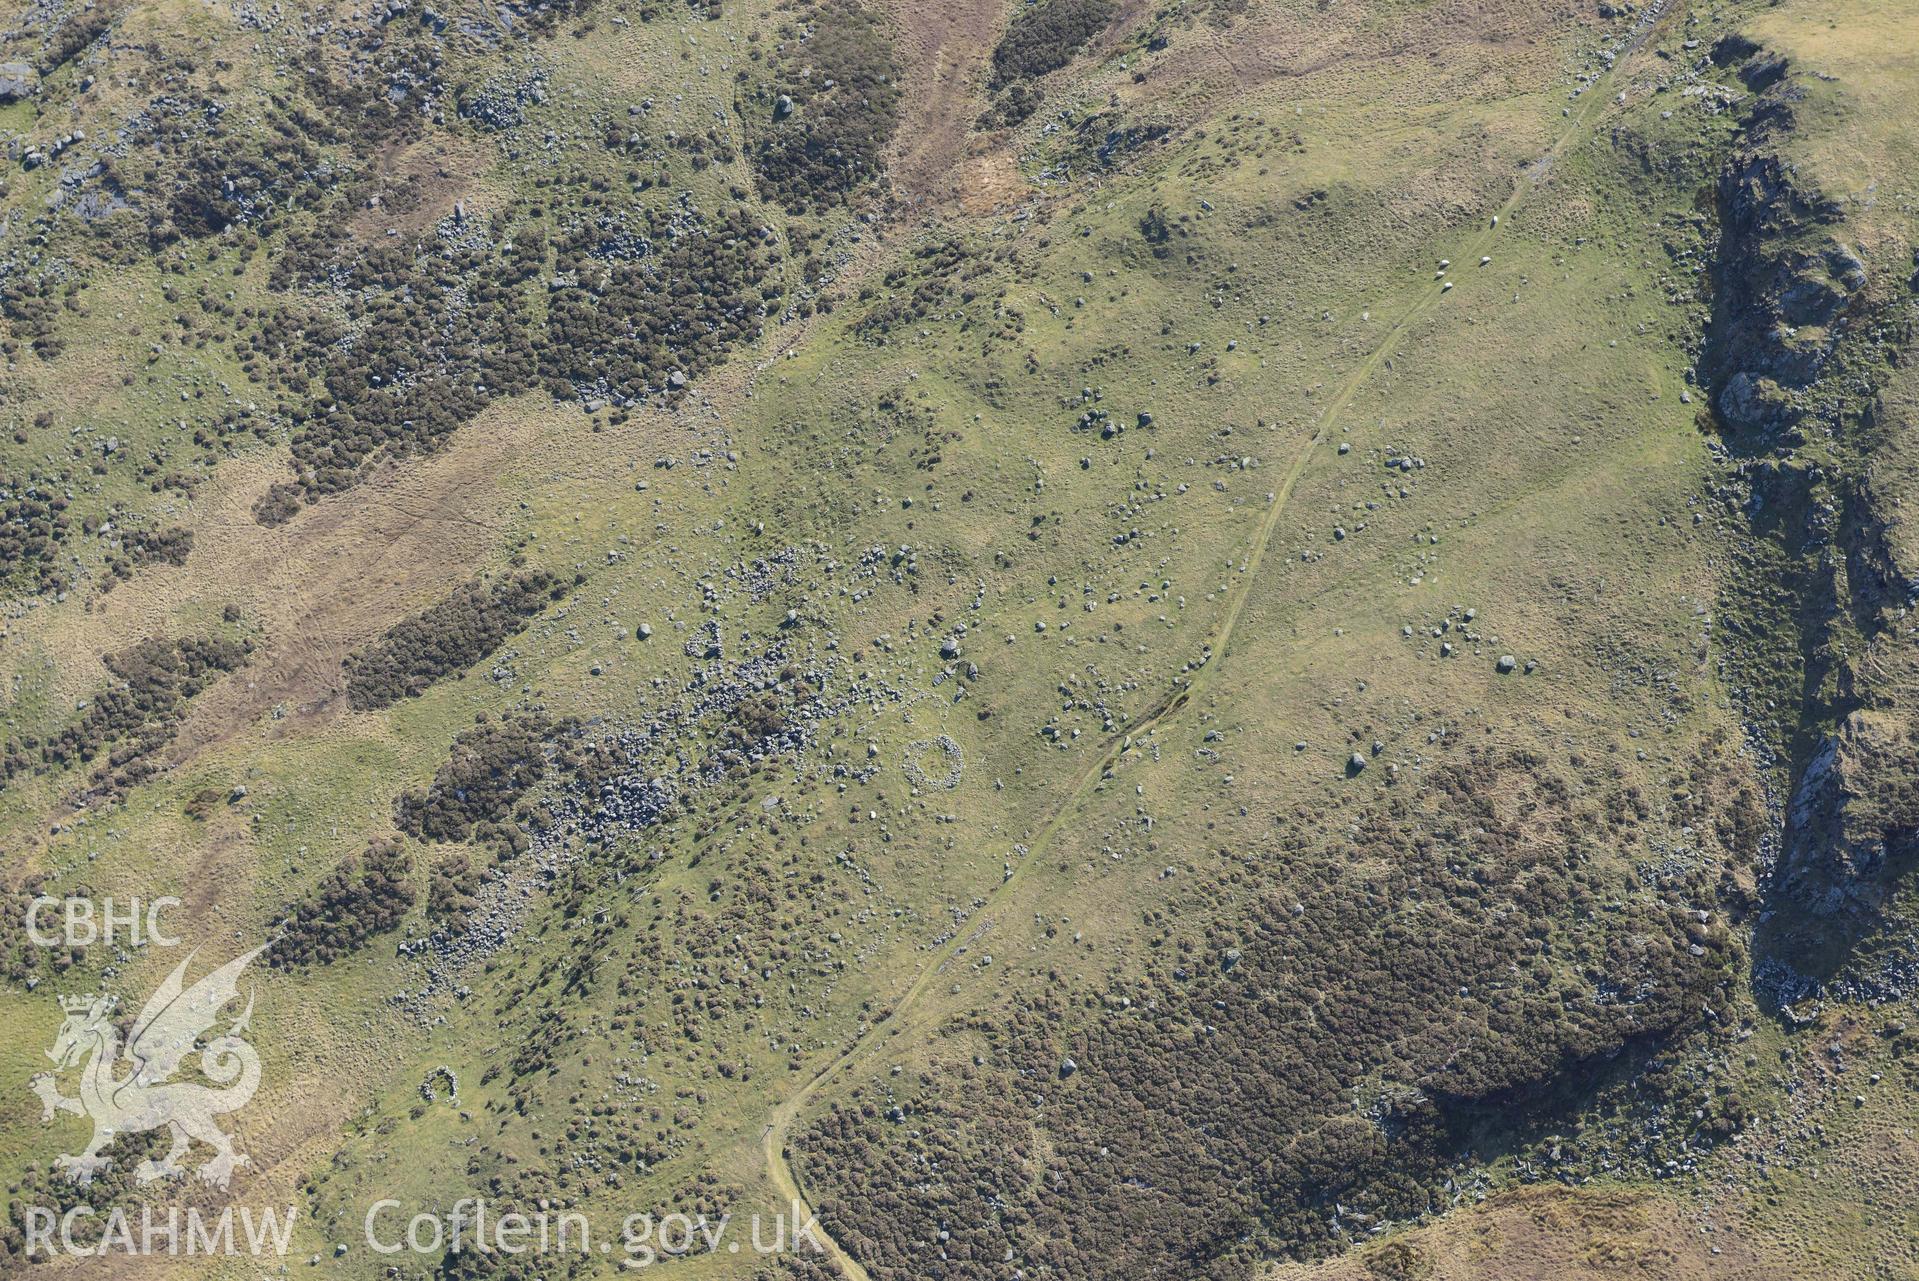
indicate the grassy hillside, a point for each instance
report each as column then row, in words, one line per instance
column 1091, row 640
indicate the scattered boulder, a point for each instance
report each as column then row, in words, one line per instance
column 1756, row 404
column 17, row 81
column 1853, row 821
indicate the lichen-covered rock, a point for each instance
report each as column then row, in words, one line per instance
column 17, row 81
column 1755, row 404
column 1854, row 816
column 1787, row 285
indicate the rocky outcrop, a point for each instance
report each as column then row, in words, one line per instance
column 1853, row 821
column 1850, row 825
column 1786, row 282
column 17, row 80
column 1879, row 582
column 1790, row 291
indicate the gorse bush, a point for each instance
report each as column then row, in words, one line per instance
column 1449, row 979
column 440, row 334
column 33, row 525
column 1044, row 37
column 135, row 713
column 360, row 898
column 446, row 639
column 149, row 547
column 653, row 303
column 488, row 769
column 841, row 80
column 637, row 301
column 452, row 893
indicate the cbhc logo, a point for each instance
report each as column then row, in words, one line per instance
column 79, row 922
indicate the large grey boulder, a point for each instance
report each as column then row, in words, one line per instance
column 1853, row 818
column 1752, row 404
column 17, row 81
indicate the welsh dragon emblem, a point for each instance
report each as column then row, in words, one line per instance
column 129, row 1089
